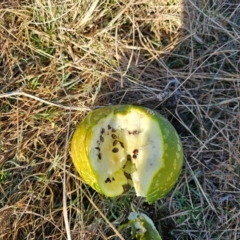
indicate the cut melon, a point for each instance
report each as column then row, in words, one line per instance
column 143, row 227
column 119, row 145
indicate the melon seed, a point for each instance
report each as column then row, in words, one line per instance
column 135, row 151
column 135, row 132
column 115, row 142
column 121, row 144
column 115, row 150
column 114, row 136
column 108, row 180
column 127, row 175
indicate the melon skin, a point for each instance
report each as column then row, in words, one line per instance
column 172, row 159
column 161, row 180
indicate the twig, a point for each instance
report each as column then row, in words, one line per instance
column 65, row 210
column 19, row 92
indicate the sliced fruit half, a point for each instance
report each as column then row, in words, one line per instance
column 143, row 227
column 119, row 145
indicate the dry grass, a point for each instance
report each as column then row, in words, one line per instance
column 60, row 59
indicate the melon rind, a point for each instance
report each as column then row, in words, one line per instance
column 171, row 159
column 80, row 147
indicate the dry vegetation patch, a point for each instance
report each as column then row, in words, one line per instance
column 61, row 59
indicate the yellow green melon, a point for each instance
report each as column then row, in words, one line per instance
column 119, row 145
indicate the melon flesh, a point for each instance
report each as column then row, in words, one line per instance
column 118, row 146
column 126, row 149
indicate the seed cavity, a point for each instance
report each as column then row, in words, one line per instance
column 114, row 130
column 101, row 139
column 129, row 158
column 134, row 156
column 115, row 150
column 115, row 142
column 102, row 131
column 109, row 127
column 98, row 148
column 99, row 156
column 114, row 136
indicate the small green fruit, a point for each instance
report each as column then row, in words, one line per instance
column 143, row 227
column 119, row 145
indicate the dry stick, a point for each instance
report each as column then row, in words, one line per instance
column 21, row 93
column 65, row 212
